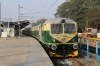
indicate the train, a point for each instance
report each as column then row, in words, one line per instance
column 58, row 35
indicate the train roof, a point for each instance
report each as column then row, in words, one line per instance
column 36, row 26
column 57, row 20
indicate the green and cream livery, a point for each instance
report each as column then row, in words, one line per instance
column 59, row 36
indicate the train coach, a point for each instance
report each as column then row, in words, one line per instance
column 58, row 35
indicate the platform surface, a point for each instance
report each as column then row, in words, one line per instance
column 23, row 51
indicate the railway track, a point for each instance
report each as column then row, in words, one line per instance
column 76, row 62
column 66, row 62
column 59, row 62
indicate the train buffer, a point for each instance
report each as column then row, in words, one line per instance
column 23, row 51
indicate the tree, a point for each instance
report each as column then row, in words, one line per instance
column 61, row 11
column 33, row 24
column 93, row 15
column 84, row 12
column 38, row 22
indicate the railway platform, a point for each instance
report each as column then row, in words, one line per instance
column 23, row 51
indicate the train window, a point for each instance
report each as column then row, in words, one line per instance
column 69, row 28
column 56, row 28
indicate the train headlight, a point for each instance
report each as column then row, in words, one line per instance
column 75, row 46
column 54, row 47
column 63, row 39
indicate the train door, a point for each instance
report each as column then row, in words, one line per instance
column 40, row 33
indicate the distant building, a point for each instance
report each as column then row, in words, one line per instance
column 12, row 28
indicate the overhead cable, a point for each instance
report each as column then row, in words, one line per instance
column 44, row 5
column 29, row 9
column 50, row 7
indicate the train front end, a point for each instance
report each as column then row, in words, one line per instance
column 64, row 42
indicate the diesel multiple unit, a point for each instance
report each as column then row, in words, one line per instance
column 58, row 35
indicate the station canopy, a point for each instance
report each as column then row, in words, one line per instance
column 16, row 24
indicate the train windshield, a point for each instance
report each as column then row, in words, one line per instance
column 56, row 28
column 69, row 28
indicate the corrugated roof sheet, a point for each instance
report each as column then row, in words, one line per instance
column 22, row 23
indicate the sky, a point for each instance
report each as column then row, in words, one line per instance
column 37, row 9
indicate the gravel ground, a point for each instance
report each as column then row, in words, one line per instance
column 88, row 61
column 91, row 61
column 84, row 60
